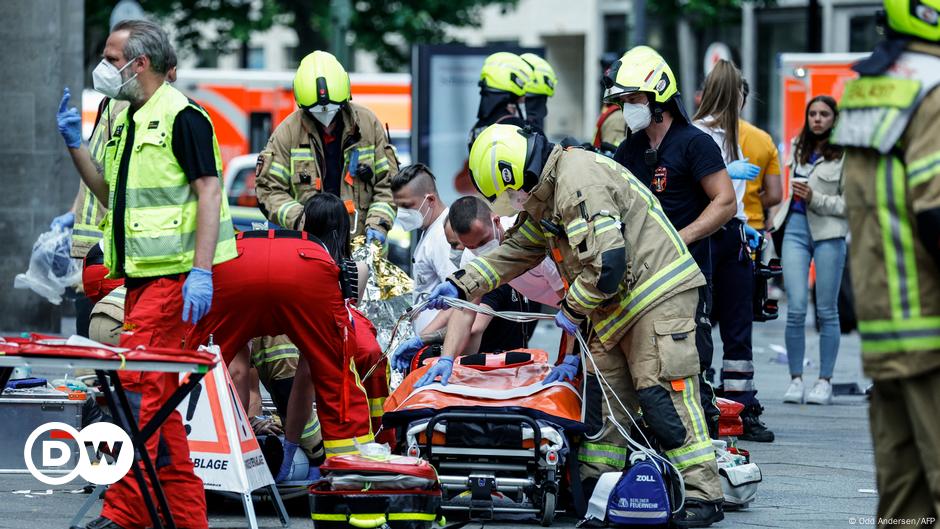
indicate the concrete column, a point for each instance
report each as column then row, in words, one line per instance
column 41, row 53
column 749, row 53
column 689, row 60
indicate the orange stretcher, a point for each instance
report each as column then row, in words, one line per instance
column 56, row 353
column 496, row 434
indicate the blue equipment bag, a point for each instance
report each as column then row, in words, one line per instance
column 640, row 497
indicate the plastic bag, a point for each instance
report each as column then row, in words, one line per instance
column 51, row 267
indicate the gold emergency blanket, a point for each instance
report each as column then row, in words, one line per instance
column 388, row 290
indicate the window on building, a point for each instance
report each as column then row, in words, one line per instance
column 616, row 33
column 207, row 58
column 863, row 32
column 255, row 59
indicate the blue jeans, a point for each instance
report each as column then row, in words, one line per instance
column 829, row 255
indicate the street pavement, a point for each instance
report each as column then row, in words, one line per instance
column 817, row 473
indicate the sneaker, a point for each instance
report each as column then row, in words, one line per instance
column 821, row 393
column 754, row 429
column 102, row 523
column 699, row 513
column 794, row 392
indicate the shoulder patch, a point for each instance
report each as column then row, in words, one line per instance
column 868, row 92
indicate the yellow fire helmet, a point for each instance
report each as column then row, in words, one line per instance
column 497, row 160
column 642, row 69
column 505, row 72
column 917, row 18
column 321, row 80
column 543, row 79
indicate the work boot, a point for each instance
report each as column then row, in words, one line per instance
column 102, row 523
column 699, row 513
column 754, row 429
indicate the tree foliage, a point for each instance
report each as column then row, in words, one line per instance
column 386, row 27
column 700, row 13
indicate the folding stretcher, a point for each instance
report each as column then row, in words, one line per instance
column 496, row 434
column 58, row 353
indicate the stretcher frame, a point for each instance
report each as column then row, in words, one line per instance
column 123, row 416
column 482, row 481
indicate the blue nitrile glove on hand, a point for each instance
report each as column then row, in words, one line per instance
column 373, row 234
column 566, row 370
column 566, row 325
column 442, row 368
column 402, row 356
column 197, row 294
column 742, row 170
column 445, row 290
column 69, row 121
column 753, row 237
column 63, row 221
column 290, row 448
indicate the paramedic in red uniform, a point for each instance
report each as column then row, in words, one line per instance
column 286, row 282
column 167, row 226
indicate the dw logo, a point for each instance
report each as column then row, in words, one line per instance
column 107, row 437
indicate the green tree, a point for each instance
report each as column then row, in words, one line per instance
column 385, row 27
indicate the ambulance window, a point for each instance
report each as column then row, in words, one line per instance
column 259, row 131
column 242, row 192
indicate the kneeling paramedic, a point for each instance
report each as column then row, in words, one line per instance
column 630, row 278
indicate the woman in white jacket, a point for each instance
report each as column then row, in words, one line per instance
column 815, row 226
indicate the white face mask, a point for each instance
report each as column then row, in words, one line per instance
column 637, row 116
column 489, row 245
column 324, row 113
column 109, row 80
column 456, row 256
column 412, row 219
column 517, row 198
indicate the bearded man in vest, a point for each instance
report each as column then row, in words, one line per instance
column 167, row 225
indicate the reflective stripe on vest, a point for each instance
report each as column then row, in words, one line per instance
column 895, row 336
column 897, row 239
column 160, row 206
column 644, row 294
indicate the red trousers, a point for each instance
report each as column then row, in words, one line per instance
column 153, row 316
column 291, row 286
column 368, row 353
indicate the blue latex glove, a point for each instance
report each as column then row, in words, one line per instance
column 566, row 325
column 442, row 369
column 444, row 290
column 567, row 370
column 314, row 474
column 753, row 237
column 290, row 449
column 63, row 221
column 197, row 294
column 402, row 356
column 69, row 121
column 373, row 234
column 743, row 170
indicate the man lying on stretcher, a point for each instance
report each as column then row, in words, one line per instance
column 479, row 230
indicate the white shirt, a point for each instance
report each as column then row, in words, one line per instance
column 540, row 284
column 740, row 186
column 431, row 265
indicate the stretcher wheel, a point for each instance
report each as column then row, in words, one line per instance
column 548, row 508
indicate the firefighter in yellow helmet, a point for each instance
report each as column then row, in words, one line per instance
column 889, row 126
column 328, row 145
column 503, row 81
column 541, row 86
column 631, row 283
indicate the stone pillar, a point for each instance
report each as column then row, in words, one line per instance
column 41, row 53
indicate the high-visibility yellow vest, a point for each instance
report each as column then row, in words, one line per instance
column 160, row 206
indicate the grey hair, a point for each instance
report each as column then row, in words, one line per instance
column 147, row 38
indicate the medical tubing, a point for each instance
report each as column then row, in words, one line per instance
column 525, row 317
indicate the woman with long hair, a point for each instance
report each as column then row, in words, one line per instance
column 732, row 273
column 814, row 226
column 326, row 218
